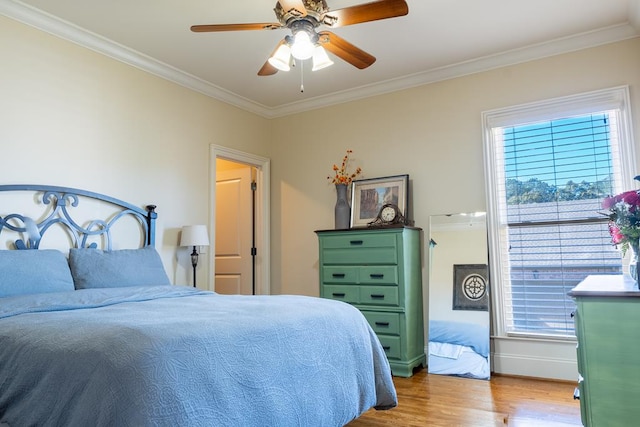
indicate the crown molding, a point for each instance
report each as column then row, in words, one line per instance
column 68, row 31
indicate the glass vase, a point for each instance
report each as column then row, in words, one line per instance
column 634, row 265
column 342, row 210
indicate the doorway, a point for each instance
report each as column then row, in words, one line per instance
column 240, row 217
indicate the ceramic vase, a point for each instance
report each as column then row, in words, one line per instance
column 342, row 209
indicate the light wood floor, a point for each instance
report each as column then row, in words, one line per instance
column 438, row 400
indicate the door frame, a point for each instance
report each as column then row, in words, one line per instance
column 262, row 218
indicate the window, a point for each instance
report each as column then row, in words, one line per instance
column 548, row 165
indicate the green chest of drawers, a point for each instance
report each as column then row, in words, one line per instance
column 379, row 272
column 607, row 323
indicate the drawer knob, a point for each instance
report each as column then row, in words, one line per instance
column 382, row 323
column 377, row 296
column 338, row 275
column 386, row 347
column 356, row 242
column 338, row 294
column 376, row 276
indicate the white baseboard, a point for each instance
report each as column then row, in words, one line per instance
column 539, row 367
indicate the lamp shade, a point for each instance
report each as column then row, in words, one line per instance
column 302, row 46
column 194, row 235
column 281, row 58
column 320, row 59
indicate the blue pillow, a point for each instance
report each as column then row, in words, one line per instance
column 32, row 271
column 95, row 268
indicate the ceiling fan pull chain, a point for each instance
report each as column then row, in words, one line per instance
column 302, row 76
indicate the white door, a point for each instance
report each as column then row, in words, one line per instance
column 234, row 225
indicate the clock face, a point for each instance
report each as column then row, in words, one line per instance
column 388, row 214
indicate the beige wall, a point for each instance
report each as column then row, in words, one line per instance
column 72, row 117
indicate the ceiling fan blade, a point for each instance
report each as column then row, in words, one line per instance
column 289, row 5
column 234, row 27
column 366, row 12
column 345, row 50
column 268, row 69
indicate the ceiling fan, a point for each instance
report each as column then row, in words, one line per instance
column 303, row 17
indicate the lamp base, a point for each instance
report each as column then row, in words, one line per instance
column 194, row 263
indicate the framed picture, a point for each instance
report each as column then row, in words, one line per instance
column 368, row 196
column 470, row 287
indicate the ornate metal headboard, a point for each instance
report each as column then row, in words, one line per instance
column 58, row 203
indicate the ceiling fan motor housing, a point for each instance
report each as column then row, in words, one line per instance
column 307, row 26
column 315, row 11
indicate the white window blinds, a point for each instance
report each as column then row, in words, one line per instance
column 547, row 179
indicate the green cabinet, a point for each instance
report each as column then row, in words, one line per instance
column 379, row 271
column 607, row 319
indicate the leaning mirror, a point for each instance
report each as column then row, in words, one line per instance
column 458, row 338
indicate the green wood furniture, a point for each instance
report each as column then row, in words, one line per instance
column 607, row 323
column 378, row 270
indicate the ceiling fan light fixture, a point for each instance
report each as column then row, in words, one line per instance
column 281, row 58
column 320, row 59
column 302, row 47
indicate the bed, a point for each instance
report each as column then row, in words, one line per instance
column 459, row 348
column 97, row 335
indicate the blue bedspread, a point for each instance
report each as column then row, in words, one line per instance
column 176, row 356
column 472, row 335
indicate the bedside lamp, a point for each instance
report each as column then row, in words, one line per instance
column 194, row 235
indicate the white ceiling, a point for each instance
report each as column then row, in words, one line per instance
column 438, row 39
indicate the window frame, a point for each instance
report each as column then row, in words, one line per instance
column 616, row 98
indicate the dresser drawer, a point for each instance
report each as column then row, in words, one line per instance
column 367, row 256
column 360, row 249
column 366, row 275
column 340, row 274
column 359, row 241
column 379, row 295
column 383, row 323
column 391, row 346
column 378, row 275
column 344, row 293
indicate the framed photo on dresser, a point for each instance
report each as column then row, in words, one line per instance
column 369, row 195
